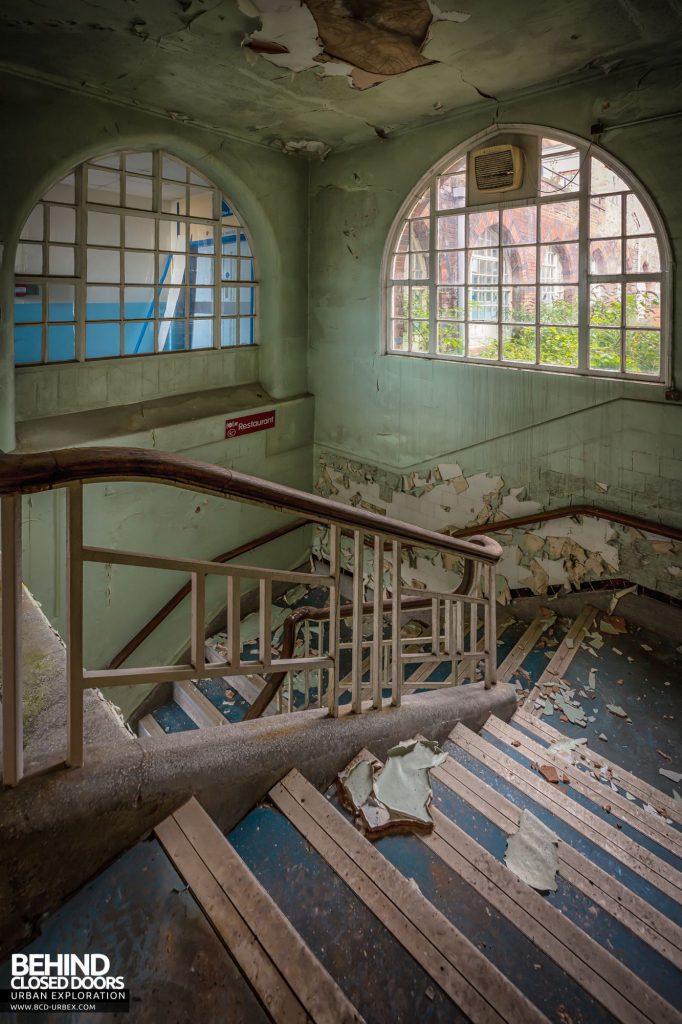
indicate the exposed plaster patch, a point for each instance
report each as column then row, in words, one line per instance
column 310, row 146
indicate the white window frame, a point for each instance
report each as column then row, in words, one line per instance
column 587, row 149
column 80, row 281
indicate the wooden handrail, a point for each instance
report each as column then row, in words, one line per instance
column 596, row 511
column 26, row 474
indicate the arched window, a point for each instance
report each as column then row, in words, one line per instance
column 130, row 254
column 567, row 272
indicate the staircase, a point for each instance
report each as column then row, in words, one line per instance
column 327, row 925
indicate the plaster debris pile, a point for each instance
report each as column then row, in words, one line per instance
column 395, row 798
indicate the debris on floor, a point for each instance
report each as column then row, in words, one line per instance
column 395, row 797
column 532, row 854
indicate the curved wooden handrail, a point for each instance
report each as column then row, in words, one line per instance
column 26, row 474
column 596, row 511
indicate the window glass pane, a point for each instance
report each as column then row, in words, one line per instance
column 451, row 304
column 173, row 169
column 172, row 302
column 138, row 192
column 61, row 343
column 103, row 228
column 138, row 338
column 420, row 336
column 558, row 263
column 451, row 191
column 110, row 160
column 138, row 303
column 400, row 299
column 201, row 302
column 451, row 267
column 484, row 266
column 246, row 271
column 200, row 204
column 643, row 304
column 606, row 256
column 559, row 305
column 484, row 228
column 518, row 344
column 643, row 352
column 483, row 341
column 62, row 224
column 519, row 225
column 560, row 172
column 419, row 266
column 104, row 265
column 604, row 179
column 605, row 349
column 61, row 300
column 451, row 338
column 606, row 216
column 638, row 221
column 173, row 235
column 201, row 238
column 559, row 221
column 28, row 344
column 172, row 335
column 102, row 340
column 519, row 264
column 201, row 334
column 482, row 304
column 230, row 269
column 139, row 163
column 61, row 260
column 642, row 256
column 398, row 335
column 228, row 333
column 196, row 179
column 103, row 304
column 605, row 304
column 451, row 232
column 29, row 259
column 246, row 330
column 422, row 207
column 228, row 301
column 32, row 230
column 402, row 246
column 559, row 346
column 139, row 267
column 420, row 234
column 28, row 303
column 518, row 304
column 139, row 232
column 63, row 192
column 104, row 187
column 550, row 146
column 244, row 245
column 419, row 303
column 201, row 269
column 173, row 198
column 230, row 242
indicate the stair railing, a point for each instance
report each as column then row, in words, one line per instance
column 73, row 469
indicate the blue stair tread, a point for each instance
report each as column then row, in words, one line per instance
column 216, row 690
column 594, row 852
column 172, row 718
column 377, row 974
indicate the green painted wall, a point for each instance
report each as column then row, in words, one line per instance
column 555, row 435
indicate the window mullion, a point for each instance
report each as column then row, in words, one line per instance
column 583, row 268
column 433, row 270
column 81, row 267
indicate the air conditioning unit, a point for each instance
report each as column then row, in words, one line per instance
column 498, row 168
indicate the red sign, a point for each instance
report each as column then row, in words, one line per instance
column 249, row 424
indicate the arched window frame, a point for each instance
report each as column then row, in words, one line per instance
column 586, row 149
column 217, row 314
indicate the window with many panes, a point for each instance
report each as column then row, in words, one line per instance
column 573, row 277
column 130, row 254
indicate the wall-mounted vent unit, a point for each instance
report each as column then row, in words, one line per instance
column 498, row 168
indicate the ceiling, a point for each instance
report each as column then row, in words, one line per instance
column 186, row 58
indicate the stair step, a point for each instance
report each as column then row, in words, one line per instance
column 648, row 826
column 644, row 791
column 643, row 871
column 642, row 938
column 543, row 952
column 192, row 701
column 148, row 726
column 452, row 961
column 287, row 977
column 518, row 654
column 172, row 718
column 567, row 649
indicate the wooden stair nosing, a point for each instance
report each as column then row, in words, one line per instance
column 642, row 861
column 522, row 648
column 285, row 974
column 622, row 808
column 566, row 651
column 638, row 787
column 189, row 697
column 149, row 727
column 631, row 910
column 468, row 978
